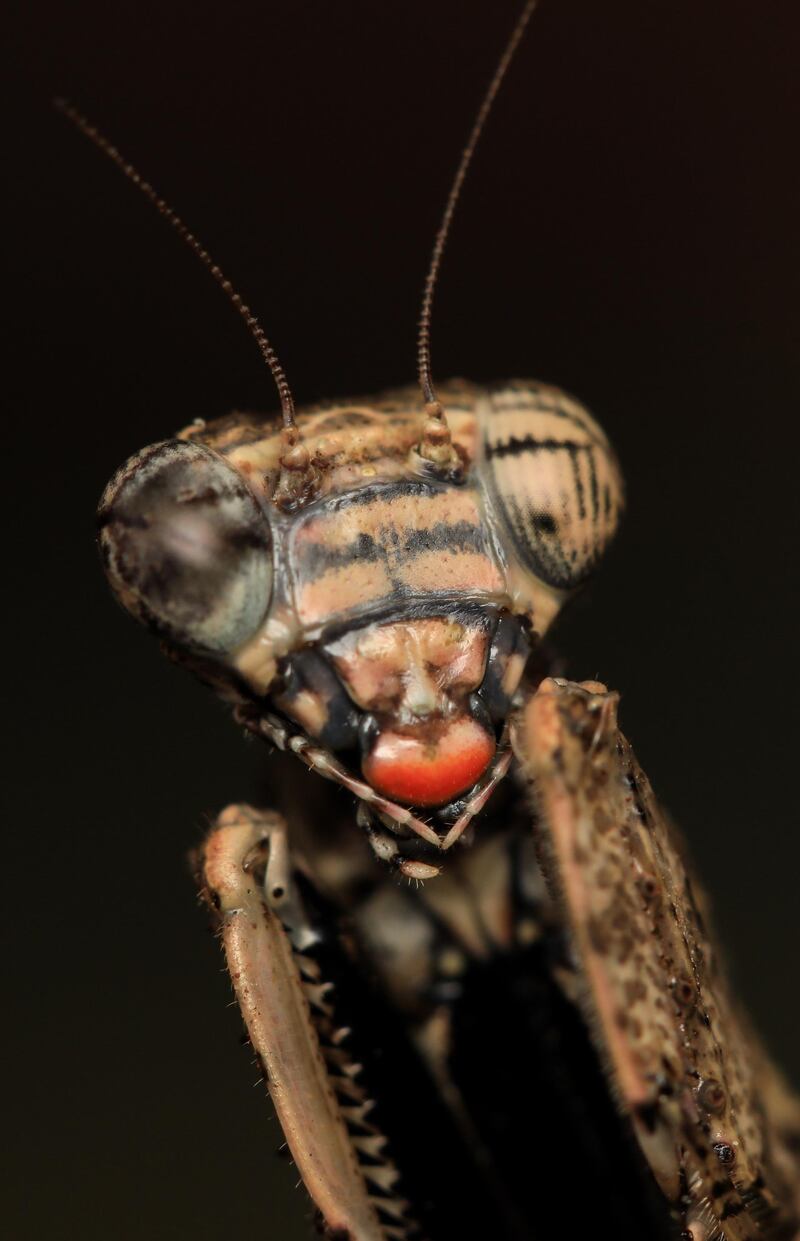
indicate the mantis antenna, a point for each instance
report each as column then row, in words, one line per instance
column 256, row 331
column 433, row 407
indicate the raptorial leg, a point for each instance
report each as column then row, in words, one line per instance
column 247, row 877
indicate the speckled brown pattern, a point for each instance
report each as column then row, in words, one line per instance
column 715, row 1123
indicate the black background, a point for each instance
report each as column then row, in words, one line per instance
column 630, row 231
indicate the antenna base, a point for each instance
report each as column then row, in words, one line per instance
column 298, row 480
column 436, row 443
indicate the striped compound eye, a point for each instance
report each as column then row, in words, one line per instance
column 186, row 547
column 553, row 481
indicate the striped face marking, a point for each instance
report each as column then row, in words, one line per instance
column 386, row 541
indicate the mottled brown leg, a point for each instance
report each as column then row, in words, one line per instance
column 685, row 1070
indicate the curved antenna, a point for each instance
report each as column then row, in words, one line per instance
column 256, row 331
column 424, row 333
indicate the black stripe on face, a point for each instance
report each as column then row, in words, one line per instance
column 384, row 493
column 397, row 546
column 411, row 606
column 458, row 536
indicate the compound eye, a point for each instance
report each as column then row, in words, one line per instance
column 186, row 546
column 554, row 481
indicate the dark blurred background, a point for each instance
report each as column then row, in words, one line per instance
column 630, row 231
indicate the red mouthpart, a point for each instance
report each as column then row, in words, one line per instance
column 432, row 765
